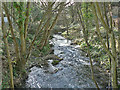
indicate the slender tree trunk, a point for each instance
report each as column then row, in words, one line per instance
column 113, row 46
column 44, row 34
column 107, row 37
column 26, row 20
column 39, row 29
column 26, row 27
column 67, row 27
column 113, row 54
column 21, row 63
column 53, row 24
column 88, row 46
column 119, row 27
column 114, row 62
column 12, row 33
column 7, row 50
column 107, row 34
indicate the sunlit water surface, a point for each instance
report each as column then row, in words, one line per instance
column 73, row 70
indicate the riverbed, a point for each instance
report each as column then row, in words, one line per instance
column 72, row 72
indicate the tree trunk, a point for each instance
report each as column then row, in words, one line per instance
column 88, row 45
column 119, row 27
column 48, row 29
column 114, row 62
column 53, row 23
column 26, row 20
column 7, row 50
column 12, row 33
column 113, row 54
column 21, row 63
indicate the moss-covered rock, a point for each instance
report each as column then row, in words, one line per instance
column 55, row 62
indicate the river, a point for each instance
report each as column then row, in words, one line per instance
column 72, row 72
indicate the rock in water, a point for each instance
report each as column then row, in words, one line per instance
column 51, row 68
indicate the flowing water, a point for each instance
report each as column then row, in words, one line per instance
column 72, row 72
